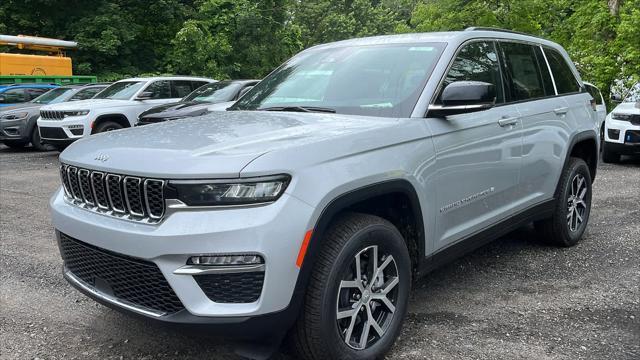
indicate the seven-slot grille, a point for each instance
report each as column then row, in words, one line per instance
column 52, row 114
column 129, row 197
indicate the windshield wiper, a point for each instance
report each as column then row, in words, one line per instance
column 298, row 109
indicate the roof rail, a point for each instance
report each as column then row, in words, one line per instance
column 486, row 28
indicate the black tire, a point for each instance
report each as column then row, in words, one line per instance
column 609, row 155
column 15, row 144
column 107, row 126
column 557, row 230
column 36, row 142
column 316, row 334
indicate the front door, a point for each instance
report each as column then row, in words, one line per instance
column 478, row 155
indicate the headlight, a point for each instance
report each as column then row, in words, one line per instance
column 618, row 116
column 15, row 115
column 229, row 192
column 76, row 113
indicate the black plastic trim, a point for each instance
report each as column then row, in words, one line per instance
column 579, row 137
column 474, row 241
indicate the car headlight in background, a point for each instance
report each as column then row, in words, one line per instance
column 15, row 115
column 76, row 113
column 228, row 192
column 618, row 116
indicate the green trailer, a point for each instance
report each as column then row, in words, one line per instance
column 53, row 79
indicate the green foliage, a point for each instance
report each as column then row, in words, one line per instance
column 249, row 38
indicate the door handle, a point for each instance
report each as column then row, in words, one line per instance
column 561, row 111
column 508, row 121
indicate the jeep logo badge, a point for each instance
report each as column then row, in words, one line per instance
column 102, row 157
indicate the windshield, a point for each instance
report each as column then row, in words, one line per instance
column 122, row 90
column 52, row 96
column 375, row 80
column 634, row 94
column 216, row 92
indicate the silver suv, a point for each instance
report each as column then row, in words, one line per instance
column 312, row 204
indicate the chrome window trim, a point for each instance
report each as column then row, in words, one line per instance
column 553, row 78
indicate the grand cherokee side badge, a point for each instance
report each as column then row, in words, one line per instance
column 102, row 157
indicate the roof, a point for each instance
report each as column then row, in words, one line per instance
column 28, row 86
column 151, row 78
column 456, row 37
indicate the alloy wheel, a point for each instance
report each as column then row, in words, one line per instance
column 367, row 298
column 576, row 203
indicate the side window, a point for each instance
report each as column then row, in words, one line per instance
column 34, row 93
column 180, row 88
column 547, row 82
column 85, row 94
column 595, row 93
column 566, row 82
column 477, row 61
column 524, row 71
column 160, row 89
column 14, row 96
column 197, row 84
column 244, row 91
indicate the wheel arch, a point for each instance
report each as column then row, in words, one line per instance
column 116, row 117
column 584, row 145
column 398, row 189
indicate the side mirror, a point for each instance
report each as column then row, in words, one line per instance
column 615, row 98
column 461, row 97
column 145, row 95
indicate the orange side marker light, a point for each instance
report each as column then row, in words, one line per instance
column 303, row 248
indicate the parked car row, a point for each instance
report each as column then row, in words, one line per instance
column 52, row 117
column 18, row 122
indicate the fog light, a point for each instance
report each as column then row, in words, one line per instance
column 224, row 260
column 614, row 134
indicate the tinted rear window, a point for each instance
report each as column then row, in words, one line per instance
column 566, row 82
column 524, row 72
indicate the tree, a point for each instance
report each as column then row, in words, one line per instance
column 235, row 39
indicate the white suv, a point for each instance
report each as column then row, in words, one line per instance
column 622, row 128
column 116, row 107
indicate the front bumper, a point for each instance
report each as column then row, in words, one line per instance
column 623, row 137
column 274, row 231
column 63, row 131
column 15, row 130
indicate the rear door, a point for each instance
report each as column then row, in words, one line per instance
column 478, row 155
column 544, row 119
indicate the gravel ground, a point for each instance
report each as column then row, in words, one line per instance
column 511, row 299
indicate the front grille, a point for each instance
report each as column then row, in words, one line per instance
column 129, row 197
column 130, row 280
column 635, row 119
column 52, row 114
column 232, row 287
column 52, row 133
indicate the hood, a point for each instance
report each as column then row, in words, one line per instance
column 221, row 106
column 217, row 145
column 176, row 110
column 627, row 108
column 90, row 104
column 24, row 106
